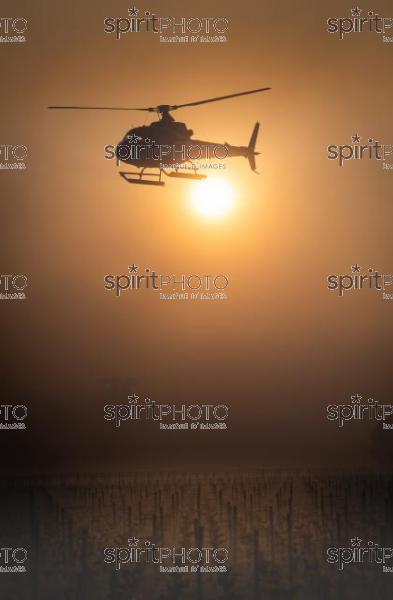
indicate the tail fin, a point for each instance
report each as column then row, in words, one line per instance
column 251, row 148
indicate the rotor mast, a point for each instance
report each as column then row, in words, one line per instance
column 163, row 111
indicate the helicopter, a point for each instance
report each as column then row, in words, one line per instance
column 168, row 144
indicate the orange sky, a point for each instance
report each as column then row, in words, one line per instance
column 281, row 347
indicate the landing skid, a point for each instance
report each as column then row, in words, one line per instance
column 143, row 178
column 138, row 178
column 186, row 175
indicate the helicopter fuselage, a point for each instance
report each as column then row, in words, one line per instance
column 170, row 142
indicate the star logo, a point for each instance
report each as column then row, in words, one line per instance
column 356, row 138
column 133, row 542
column 133, row 268
column 355, row 12
column 355, row 542
column 133, row 138
column 356, row 268
column 356, row 399
column 133, row 398
column 133, row 11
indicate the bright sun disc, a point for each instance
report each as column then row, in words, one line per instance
column 213, row 197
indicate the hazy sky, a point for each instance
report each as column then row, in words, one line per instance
column 281, row 347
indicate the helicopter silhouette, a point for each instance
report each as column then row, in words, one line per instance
column 169, row 142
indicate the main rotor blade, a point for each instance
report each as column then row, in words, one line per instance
column 164, row 107
column 175, row 106
column 101, row 108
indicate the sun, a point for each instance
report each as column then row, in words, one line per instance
column 213, row 197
